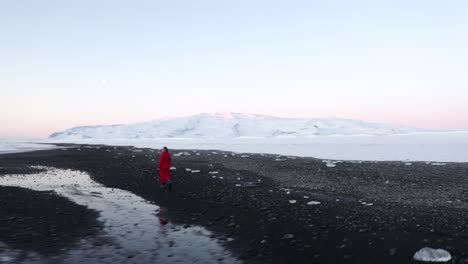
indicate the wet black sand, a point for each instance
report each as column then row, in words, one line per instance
column 370, row 212
column 42, row 221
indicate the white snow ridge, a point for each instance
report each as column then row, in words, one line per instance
column 222, row 125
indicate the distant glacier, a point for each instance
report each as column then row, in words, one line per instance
column 233, row 125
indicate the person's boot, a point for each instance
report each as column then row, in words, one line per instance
column 169, row 185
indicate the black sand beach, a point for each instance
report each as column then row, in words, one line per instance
column 369, row 212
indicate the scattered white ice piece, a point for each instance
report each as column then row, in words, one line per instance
column 195, row 171
column 437, row 164
column 432, row 255
column 187, row 169
column 331, row 163
column 172, row 168
column 238, row 179
column 182, row 154
column 213, row 172
column 214, row 177
column 292, row 201
column 408, row 163
column 198, row 154
column 214, row 152
column 238, row 185
column 225, row 156
column 245, row 156
column 277, row 159
column 313, row 203
column 5, row 259
column 221, row 178
column 306, row 197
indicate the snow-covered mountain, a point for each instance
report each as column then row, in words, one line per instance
column 232, row 125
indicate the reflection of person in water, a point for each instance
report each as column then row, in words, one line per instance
column 163, row 222
column 164, row 168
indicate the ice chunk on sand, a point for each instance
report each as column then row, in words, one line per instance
column 313, row 203
column 432, row 255
column 331, row 163
column 182, row 154
column 213, row 172
column 173, row 168
column 292, row 201
column 5, row 259
column 245, row 156
column 437, row 164
column 195, row 171
column 187, row 169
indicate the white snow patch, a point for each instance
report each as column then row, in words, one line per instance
column 331, row 163
column 213, row 172
column 313, row 203
column 432, row 255
column 292, row 201
column 195, row 171
column 184, row 153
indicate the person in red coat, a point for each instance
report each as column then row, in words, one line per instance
column 165, row 168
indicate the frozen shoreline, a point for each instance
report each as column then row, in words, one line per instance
column 23, row 145
column 427, row 146
column 441, row 146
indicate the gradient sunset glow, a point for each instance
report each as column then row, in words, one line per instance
column 75, row 63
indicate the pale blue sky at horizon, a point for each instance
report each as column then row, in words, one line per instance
column 71, row 63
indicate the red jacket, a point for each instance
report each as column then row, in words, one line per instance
column 165, row 162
